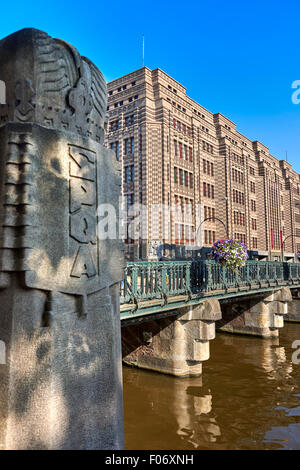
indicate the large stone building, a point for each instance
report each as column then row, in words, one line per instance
column 174, row 152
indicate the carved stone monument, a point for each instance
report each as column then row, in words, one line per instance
column 61, row 385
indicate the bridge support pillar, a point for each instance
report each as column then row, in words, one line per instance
column 175, row 345
column 259, row 316
column 293, row 314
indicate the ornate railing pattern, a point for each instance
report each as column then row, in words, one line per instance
column 159, row 279
column 149, row 280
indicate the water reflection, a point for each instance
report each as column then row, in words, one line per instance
column 248, row 398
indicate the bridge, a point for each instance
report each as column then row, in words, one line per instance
column 155, row 287
column 170, row 309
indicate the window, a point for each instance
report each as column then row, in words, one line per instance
column 136, row 97
column 115, row 146
column 124, row 87
column 129, row 146
column 127, row 174
column 180, row 176
column 133, row 83
column 110, row 93
column 129, row 120
column 186, row 179
column 208, row 190
column 119, row 89
column 114, row 125
column 253, row 205
column 175, row 148
column 180, row 149
column 175, row 175
column 191, row 180
column 209, row 237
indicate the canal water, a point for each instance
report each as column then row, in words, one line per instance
column 247, row 398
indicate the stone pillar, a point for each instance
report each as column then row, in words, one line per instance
column 61, row 386
column 293, row 314
column 256, row 316
column 175, row 345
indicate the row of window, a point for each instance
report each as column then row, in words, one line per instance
column 181, row 127
column 237, row 158
column 209, row 212
column 121, row 88
column 183, row 177
column 178, row 105
column 183, row 233
column 209, row 237
column 120, row 103
column 239, row 218
column 207, row 147
column 199, row 114
column 234, row 142
column 240, row 237
column 237, row 176
column 129, row 120
column 208, row 168
column 183, row 151
column 185, row 204
column 254, row 242
column 209, row 190
column 238, row 197
column 114, row 125
column 128, row 147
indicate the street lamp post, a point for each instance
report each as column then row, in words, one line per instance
column 283, row 243
column 297, row 204
column 212, row 218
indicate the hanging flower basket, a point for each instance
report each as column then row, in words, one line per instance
column 230, row 252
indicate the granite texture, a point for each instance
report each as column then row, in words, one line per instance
column 61, row 386
column 176, row 345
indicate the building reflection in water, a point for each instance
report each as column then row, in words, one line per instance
column 244, row 400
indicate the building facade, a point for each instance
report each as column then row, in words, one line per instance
column 196, row 177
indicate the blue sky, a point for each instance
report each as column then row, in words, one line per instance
column 237, row 58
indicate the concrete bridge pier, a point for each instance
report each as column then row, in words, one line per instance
column 293, row 314
column 259, row 316
column 175, row 345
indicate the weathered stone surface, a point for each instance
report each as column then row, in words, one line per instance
column 61, row 387
column 208, row 310
column 293, row 314
column 259, row 317
column 177, row 345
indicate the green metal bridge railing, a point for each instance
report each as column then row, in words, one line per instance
column 187, row 281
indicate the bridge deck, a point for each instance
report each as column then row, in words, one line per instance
column 161, row 287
